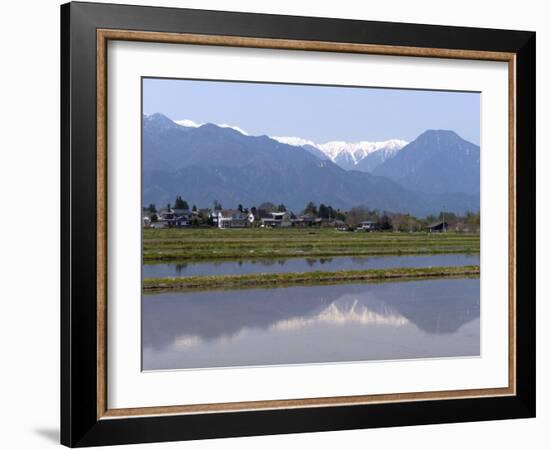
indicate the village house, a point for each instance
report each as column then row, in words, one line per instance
column 146, row 221
column 213, row 216
column 172, row 218
column 232, row 218
column 438, row 227
column 368, row 226
column 340, row 225
column 182, row 217
column 203, row 212
column 277, row 220
column 304, row 221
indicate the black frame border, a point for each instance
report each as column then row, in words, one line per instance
column 79, row 424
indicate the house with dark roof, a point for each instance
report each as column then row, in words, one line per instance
column 304, row 220
column 438, row 227
column 172, row 218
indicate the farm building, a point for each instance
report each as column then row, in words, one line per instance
column 277, row 219
column 368, row 226
column 172, row 218
column 304, row 221
column 231, row 218
column 438, row 227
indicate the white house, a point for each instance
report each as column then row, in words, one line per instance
column 229, row 218
column 277, row 219
column 368, row 226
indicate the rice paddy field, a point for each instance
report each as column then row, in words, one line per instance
column 197, row 246
column 212, row 243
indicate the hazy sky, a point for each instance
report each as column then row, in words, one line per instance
column 317, row 113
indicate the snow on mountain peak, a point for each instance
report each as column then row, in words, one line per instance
column 358, row 150
column 233, row 127
column 352, row 152
column 187, row 123
column 295, row 141
column 349, row 153
column 192, row 124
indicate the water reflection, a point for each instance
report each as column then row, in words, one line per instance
column 305, row 265
column 310, row 324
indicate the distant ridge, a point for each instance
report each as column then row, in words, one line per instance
column 209, row 162
column 362, row 155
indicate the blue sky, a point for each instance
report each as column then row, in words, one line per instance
column 317, row 113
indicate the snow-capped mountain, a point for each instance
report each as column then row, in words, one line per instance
column 380, row 156
column 212, row 162
column 438, row 168
column 351, row 155
column 363, row 155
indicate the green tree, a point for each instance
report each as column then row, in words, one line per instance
column 281, row 208
column 385, row 223
column 323, row 211
column 449, row 217
column 326, row 212
column 400, row 222
column 267, row 207
column 181, row 203
column 472, row 221
column 240, row 208
column 430, row 219
column 195, row 208
column 340, row 215
column 151, row 208
column 414, row 224
column 217, row 205
column 311, row 209
column 356, row 215
column 206, row 218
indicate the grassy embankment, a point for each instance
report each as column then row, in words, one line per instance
column 305, row 278
column 192, row 245
column 173, row 245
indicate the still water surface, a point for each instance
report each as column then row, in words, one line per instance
column 311, row 324
column 305, row 265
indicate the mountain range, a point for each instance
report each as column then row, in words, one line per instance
column 211, row 162
column 364, row 155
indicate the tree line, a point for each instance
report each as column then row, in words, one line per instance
column 353, row 217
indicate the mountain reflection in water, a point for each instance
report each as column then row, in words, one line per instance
column 311, row 324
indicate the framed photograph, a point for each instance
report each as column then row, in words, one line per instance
column 276, row 224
